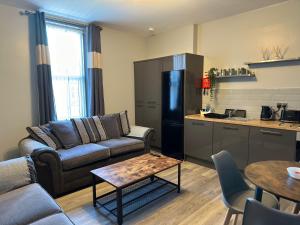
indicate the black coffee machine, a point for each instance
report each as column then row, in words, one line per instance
column 267, row 113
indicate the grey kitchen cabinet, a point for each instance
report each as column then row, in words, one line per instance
column 198, row 139
column 148, row 75
column 234, row 139
column 175, row 62
column 271, row 144
column 147, row 82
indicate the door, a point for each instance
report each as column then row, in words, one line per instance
column 147, row 81
column 172, row 96
column 234, row 139
column 271, row 144
column 198, row 137
column 172, row 139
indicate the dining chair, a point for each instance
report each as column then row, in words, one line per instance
column 258, row 214
column 235, row 190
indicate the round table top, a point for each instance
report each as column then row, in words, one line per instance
column 272, row 176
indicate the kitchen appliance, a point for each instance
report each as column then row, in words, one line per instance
column 267, row 113
column 172, row 113
column 290, row 116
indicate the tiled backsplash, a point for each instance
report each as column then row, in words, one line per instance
column 252, row 99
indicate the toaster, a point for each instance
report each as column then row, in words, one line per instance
column 290, row 116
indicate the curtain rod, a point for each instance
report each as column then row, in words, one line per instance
column 57, row 18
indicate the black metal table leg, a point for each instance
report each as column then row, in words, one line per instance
column 179, row 175
column 258, row 193
column 94, row 191
column 119, row 206
column 152, row 178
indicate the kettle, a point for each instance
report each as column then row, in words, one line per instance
column 267, row 113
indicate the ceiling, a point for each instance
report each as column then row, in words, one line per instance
column 138, row 15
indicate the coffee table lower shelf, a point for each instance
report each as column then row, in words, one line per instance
column 135, row 196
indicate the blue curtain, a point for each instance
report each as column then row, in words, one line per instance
column 94, row 80
column 46, row 99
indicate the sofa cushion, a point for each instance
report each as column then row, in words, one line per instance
column 124, row 122
column 90, row 129
column 82, row 155
column 122, row 145
column 111, row 125
column 26, row 205
column 56, row 219
column 66, row 133
column 44, row 135
column 16, row 173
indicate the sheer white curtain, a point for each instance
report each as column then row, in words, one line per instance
column 66, row 47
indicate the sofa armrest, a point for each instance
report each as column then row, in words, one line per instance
column 47, row 163
column 49, row 169
column 16, row 173
column 142, row 133
column 27, row 146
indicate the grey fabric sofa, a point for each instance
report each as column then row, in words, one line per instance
column 65, row 170
column 22, row 201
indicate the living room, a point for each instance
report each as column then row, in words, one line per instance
column 191, row 106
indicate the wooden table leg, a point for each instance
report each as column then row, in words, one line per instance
column 179, row 175
column 258, row 194
column 94, row 191
column 119, row 206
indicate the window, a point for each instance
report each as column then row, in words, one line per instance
column 66, row 47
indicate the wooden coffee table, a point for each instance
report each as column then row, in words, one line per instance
column 135, row 182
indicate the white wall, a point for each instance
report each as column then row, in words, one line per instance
column 231, row 41
column 18, row 95
column 180, row 40
column 120, row 50
column 16, row 90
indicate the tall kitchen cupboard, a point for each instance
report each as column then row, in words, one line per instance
column 148, row 89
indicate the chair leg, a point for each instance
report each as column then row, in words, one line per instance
column 296, row 208
column 235, row 219
column 228, row 217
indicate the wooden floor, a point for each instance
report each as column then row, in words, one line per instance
column 198, row 203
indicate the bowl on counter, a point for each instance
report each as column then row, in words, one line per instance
column 294, row 172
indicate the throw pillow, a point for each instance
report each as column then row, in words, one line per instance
column 44, row 135
column 111, row 126
column 66, row 133
column 125, row 126
column 90, row 129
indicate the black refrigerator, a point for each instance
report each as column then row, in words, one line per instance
column 173, row 113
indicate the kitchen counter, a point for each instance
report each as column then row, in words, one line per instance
column 249, row 122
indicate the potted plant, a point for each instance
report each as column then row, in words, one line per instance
column 212, row 73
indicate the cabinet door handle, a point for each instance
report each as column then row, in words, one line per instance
column 152, row 107
column 151, row 102
column 198, row 124
column 231, row 128
column 275, row 133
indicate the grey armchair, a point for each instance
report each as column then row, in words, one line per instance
column 234, row 188
column 258, row 214
column 22, row 200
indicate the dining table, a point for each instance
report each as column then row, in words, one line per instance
column 272, row 176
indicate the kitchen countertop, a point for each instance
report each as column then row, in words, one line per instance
column 249, row 122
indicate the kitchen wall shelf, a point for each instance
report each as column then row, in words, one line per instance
column 238, row 76
column 274, row 62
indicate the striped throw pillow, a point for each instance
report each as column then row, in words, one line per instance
column 90, row 129
column 125, row 126
column 43, row 134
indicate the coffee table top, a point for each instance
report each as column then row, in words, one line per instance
column 124, row 173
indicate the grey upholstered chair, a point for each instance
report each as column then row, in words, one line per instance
column 258, row 214
column 234, row 188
